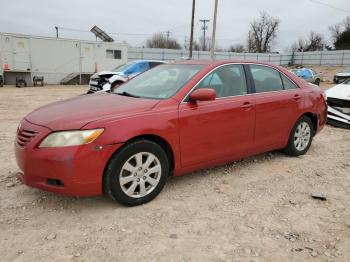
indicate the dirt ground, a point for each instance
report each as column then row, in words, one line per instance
column 258, row 209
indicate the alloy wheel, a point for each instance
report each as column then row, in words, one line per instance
column 302, row 136
column 140, row 174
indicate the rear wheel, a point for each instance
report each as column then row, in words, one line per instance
column 317, row 82
column 301, row 137
column 137, row 173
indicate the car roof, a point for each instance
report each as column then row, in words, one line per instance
column 215, row 63
column 147, row 60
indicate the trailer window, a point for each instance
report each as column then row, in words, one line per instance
column 113, row 54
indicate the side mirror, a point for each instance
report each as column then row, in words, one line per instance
column 203, row 94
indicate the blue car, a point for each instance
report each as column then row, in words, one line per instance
column 107, row 81
column 308, row 75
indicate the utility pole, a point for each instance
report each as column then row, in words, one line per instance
column 167, row 33
column 214, row 31
column 192, row 25
column 204, row 28
column 56, row 27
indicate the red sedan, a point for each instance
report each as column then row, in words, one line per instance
column 168, row 121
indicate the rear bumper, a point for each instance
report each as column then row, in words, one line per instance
column 78, row 170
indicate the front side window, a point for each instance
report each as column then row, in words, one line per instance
column 266, row 79
column 288, row 84
column 228, row 80
column 160, row 82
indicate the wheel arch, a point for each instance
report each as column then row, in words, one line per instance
column 314, row 120
column 151, row 137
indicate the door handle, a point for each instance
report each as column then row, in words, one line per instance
column 247, row 105
column 297, row 97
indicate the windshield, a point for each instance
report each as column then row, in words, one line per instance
column 160, row 82
column 123, row 67
column 346, row 70
column 346, row 82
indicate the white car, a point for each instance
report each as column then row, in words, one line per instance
column 106, row 81
column 338, row 100
column 341, row 76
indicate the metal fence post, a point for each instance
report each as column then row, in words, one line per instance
column 342, row 58
column 280, row 59
column 321, row 58
column 163, row 54
column 302, row 57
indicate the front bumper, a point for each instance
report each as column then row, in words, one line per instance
column 74, row 170
column 338, row 79
column 96, row 85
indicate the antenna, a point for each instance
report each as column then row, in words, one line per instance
column 99, row 33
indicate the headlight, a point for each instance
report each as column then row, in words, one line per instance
column 70, row 138
column 94, row 76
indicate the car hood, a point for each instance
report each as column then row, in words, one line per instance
column 77, row 112
column 341, row 91
column 109, row 73
column 343, row 74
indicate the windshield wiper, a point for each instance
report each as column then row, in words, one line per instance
column 127, row 94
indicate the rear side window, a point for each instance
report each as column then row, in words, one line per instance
column 266, row 79
column 288, row 84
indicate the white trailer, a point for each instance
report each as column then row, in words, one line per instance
column 57, row 59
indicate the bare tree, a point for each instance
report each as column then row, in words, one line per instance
column 335, row 30
column 299, row 45
column 196, row 46
column 159, row 40
column 314, row 42
column 341, row 34
column 262, row 33
column 238, row 48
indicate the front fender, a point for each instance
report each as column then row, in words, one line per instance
column 162, row 123
column 116, row 78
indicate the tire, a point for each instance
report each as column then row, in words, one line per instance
column 294, row 148
column 124, row 177
column 317, row 82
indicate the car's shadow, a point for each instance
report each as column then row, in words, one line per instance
column 50, row 200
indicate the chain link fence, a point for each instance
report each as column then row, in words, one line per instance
column 337, row 58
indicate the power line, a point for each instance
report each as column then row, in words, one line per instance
column 331, row 6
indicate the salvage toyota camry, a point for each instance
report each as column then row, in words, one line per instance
column 168, row 121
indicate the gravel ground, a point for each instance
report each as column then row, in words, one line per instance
column 258, row 209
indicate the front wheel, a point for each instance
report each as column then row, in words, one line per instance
column 317, row 82
column 300, row 138
column 137, row 173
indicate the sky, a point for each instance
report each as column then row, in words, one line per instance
column 135, row 20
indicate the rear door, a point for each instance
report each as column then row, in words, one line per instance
column 278, row 105
column 222, row 128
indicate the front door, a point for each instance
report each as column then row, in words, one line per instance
column 222, row 128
